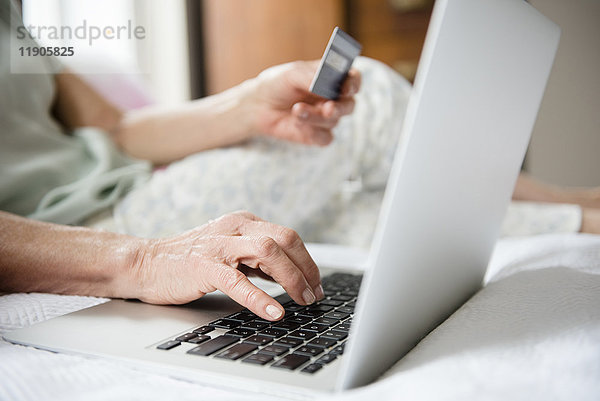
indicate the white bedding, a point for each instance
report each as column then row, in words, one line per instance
column 532, row 333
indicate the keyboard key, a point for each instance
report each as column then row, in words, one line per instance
column 337, row 315
column 256, row 317
column 320, row 308
column 327, row 358
column 303, row 334
column 237, row 351
column 291, row 362
column 311, row 313
column 323, row 342
column 343, row 326
column 309, row 350
column 213, row 345
column 258, row 339
column 292, row 307
column 337, row 334
column 273, row 332
column 254, row 325
column 345, row 309
column 341, row 297
column 286, row 325
column 331, row 302
column 275, row 349
column 186, row 337
column 315, row 327
column 242, row 316
column 225, row 323
column 339, row 350
column 289, row 341
column 298, row 319
column 169, row 345
column 326, row 321
column 204, row 330
column 241, row 332
column 258, row 358
column 199, row 339
column 312, row 368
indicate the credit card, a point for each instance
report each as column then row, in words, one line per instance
column 341, row 51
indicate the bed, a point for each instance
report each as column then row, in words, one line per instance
column 532, row 332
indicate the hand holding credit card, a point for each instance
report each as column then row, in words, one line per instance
column 341, row 51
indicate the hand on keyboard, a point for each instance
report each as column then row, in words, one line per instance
column 309, row 337
column 183, row 268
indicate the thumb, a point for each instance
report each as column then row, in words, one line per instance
column 299, row 74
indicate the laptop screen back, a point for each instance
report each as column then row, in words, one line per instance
column 480, row 82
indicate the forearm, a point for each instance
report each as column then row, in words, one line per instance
column 77, row 104
column 43, row 257
column 165, row 135
column 276, row 103
column 530, row 189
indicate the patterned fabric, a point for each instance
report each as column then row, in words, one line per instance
column 330, row 195
column 530, row 218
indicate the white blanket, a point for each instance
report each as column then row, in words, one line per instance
column 532, row 333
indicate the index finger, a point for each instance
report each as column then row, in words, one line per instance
column 236, row 285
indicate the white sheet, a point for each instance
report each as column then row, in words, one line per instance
column 532, row 333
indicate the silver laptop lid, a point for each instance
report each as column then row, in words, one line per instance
column 480, row 82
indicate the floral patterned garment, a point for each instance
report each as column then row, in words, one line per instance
column 330, row 194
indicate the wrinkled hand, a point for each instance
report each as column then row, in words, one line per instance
column 212, row 257
column 287, row 110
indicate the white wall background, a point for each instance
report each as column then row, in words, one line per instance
column 161, row 60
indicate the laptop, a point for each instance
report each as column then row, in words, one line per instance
column 479, row 85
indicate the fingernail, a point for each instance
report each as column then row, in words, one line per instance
column 274, row 311
column 308, row 296
column 303, row 115
column 319, row 292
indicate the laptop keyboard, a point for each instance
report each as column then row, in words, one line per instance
column 306, row 339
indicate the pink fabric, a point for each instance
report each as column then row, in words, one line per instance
column 127, row 91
